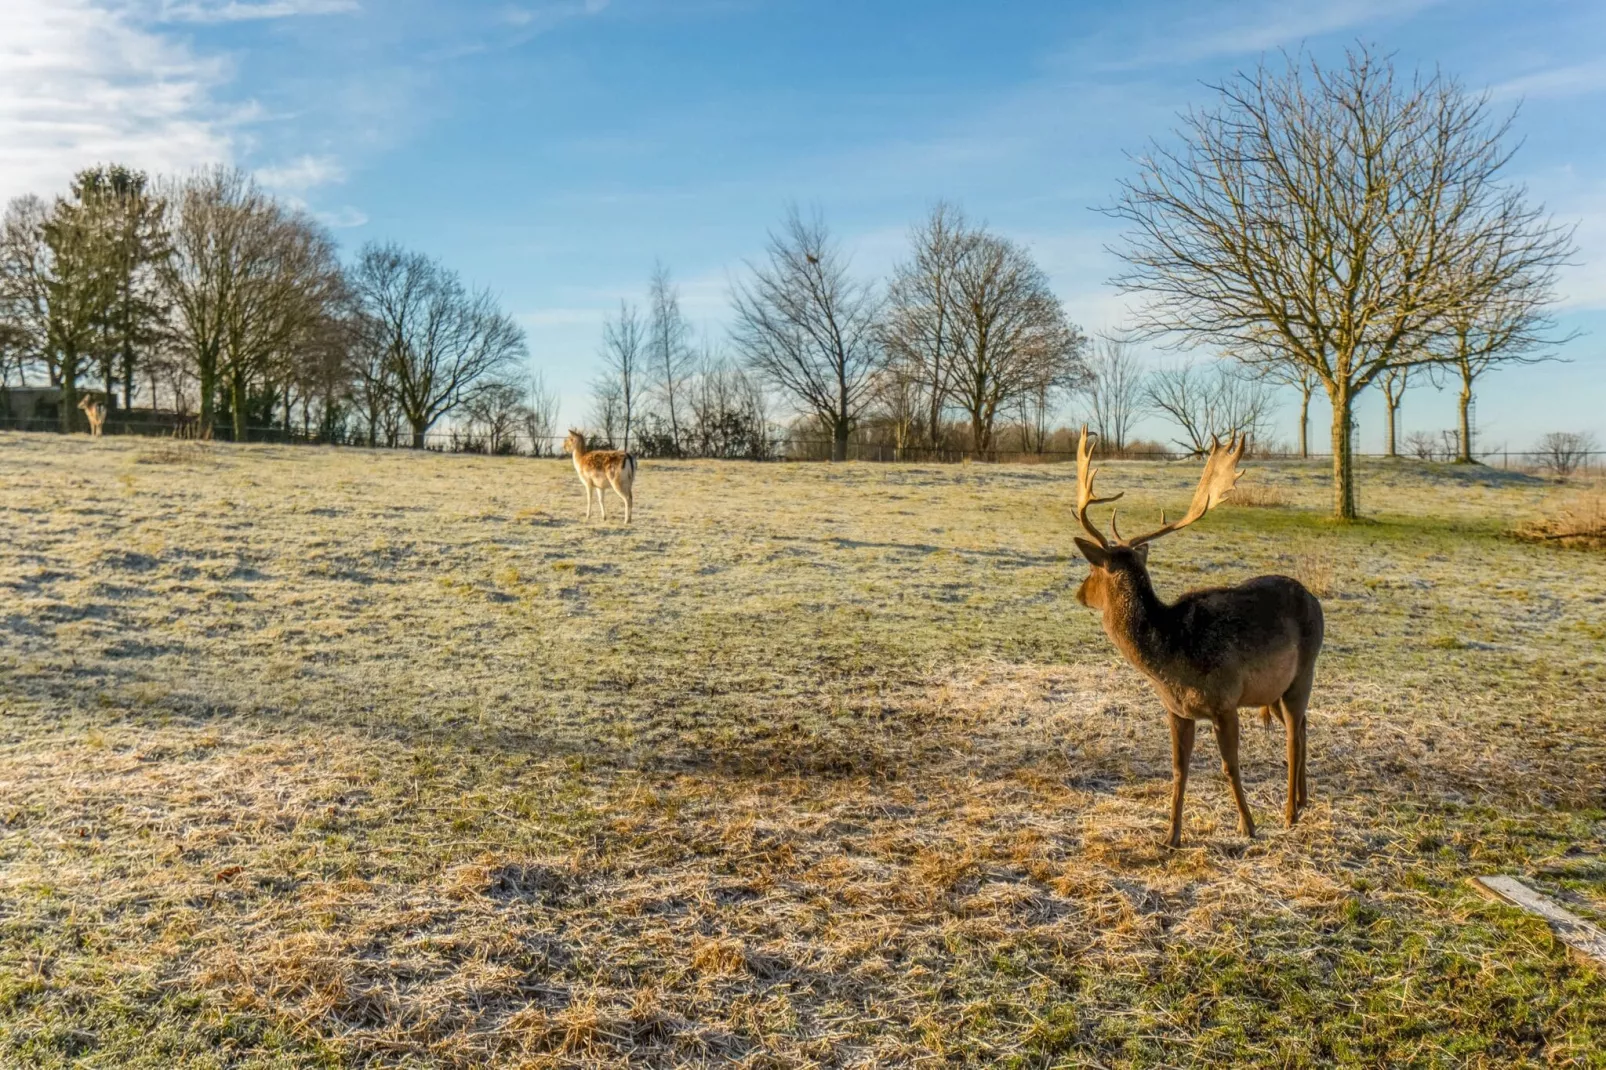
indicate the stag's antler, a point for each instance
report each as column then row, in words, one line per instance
column 1220, row 473
column 1084, row 487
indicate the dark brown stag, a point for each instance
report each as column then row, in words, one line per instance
column 1212, row 652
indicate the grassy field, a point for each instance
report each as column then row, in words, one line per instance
column 336, row 758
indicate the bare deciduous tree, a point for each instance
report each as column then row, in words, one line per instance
column 920, row 326
column 1209, row 403
column 1506, row 322
column 606, row 409
column 1011, row 335
column 1326, row 218
column 669, row 350
column 1563, row 452
column 438, row 339
column 495, row 409
column 805, row 325
column 540, row 416
column 214, row 211
column 1394, row 382
column 287, row 280
column 730, row 414
column 1115, row 393
column 624, row 356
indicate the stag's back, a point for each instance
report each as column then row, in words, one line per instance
column 1254, row 638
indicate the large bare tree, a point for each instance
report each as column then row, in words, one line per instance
column 807, row 327
column 1328, row 218
column 288, row 281
column 669, row 351
column 1508, row 322
column 1012, row 339
column 920, row 325
column 218, row 214
column 1115, row 393
column 625, row 353
column 439, row 340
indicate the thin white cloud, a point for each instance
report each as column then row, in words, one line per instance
column 248, row 10
column 1579, row 79
column 83, row 83
column 343, row 218
column 538, row 17
column 1263, row 27
column 302, row 174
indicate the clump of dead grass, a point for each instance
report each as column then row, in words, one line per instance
column 1316, row 572
column 1577, row 522
column 1260, row 496
column 174, row 451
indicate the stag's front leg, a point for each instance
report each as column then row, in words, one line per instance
column 1227, row 740
column 1182, row 730
column 587, row 488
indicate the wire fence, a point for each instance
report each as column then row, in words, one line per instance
column 778, row 448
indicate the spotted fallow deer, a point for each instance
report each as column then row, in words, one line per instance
column 602, row 468
column 96, row 411
column 1212, row 652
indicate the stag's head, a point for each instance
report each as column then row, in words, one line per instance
column 88, row 402
column 575, row 443
column 1119, row 563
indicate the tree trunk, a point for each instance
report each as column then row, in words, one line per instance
column 1343, row 462
column 1391, row 409
column 839, row 439
column 206, row 368
column 69, row 396
column 1304, row 425
column 237, row 404
column 418, row 435
column 128, row 377
column 1466, row 422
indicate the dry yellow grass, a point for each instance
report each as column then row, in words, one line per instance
column 320, row 757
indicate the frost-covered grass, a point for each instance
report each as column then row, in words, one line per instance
column 326, row 758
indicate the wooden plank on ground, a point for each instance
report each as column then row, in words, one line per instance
column 1585, row 940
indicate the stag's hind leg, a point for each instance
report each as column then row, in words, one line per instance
column 621, row 487
column 1294, row 703
column 1227, row 740
column 1182, row 731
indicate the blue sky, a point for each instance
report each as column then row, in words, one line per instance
column 552, row 151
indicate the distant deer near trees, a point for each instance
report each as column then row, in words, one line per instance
column 96, row 411
column 1212, row 652
column 602, row 468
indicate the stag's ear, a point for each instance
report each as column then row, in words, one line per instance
column 1142, row 550
column 1095, row 554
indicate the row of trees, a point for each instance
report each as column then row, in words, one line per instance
column 967, row 324
column 209, row 290
column 1319, row 229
